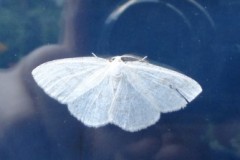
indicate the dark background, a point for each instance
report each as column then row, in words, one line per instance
column 198, row 39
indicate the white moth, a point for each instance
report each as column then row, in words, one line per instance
column 124, row 90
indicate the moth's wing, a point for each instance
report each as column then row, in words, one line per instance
column 93, row 105
column 130, row 110
column 166, row 89
column 59, row 78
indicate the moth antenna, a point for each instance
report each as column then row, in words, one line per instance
column 143, row 59
column 94, row 55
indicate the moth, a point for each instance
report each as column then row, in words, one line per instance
column 126, row 90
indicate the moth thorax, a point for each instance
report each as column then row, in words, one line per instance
column 116, row 75
column 116, row 70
